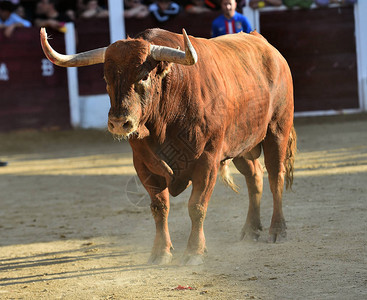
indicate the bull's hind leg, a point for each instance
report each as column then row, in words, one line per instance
column 275, row 149
column 251, row 168
column 157, row 188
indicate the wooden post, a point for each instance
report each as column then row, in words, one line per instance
column 116, row 18
column 360, row 12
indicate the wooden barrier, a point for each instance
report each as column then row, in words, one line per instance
column 33, row 92
column 318, row 44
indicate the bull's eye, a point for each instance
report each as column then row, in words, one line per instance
column 145, row 78
column 144, row 82
column 142, row 85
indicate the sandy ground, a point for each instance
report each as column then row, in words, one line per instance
column 75, row 223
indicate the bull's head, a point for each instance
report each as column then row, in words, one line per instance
column 129, row 69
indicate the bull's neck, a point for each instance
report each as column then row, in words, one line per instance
column 171, row 108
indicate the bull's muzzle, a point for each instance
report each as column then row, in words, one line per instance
column 123, row 126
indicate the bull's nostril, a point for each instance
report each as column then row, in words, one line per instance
column 111, row 125
column 128, row 125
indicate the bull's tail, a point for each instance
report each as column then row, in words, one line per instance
column 289, row 160
column 227, row 177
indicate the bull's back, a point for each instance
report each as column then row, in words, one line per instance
column 253, row 81
column 248, row 56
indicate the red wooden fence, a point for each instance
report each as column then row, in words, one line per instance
column 33, row 93
column 318, row 44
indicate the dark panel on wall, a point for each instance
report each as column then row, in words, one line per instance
column 92, row 34
column 33, row 93
column 319, row 46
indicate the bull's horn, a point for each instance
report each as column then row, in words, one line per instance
column 162, row 53
column 75, row 60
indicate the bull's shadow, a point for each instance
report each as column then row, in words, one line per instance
column 62, row 261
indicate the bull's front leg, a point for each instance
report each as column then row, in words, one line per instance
column 161, row 252
column 203, row 182
column 157, row 188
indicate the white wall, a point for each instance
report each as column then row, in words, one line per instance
column 360, row 17
column 93, row 111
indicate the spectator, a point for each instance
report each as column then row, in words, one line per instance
column 230, row 21
column 93, row 10
column 322, row 2
column 298, row 3
column 10, row 20
column 213, row 4
column 262, row 3
column 68, row 7
column 135, row 9
column 162, row 10
column 47, row 15
column 342, row 2
column 197, row 7
column 20, row 11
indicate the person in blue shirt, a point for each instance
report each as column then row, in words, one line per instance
column 10, row 20
column 230, row 21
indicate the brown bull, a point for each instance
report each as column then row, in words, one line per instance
column 187, row 114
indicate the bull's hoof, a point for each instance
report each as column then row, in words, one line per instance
column 192, row 260
column 250, row 232
column 278, row 233
column 162, row 259
column 277, row 237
